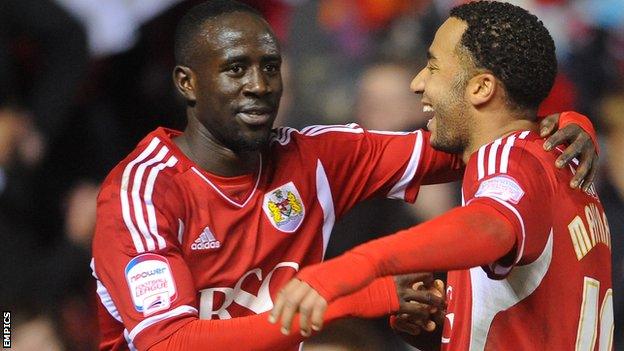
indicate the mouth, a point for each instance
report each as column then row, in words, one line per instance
column 429, row 111
column 255, row 116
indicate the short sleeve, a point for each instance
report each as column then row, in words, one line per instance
column 360, row 163
column 142, row 279
column 516, row 183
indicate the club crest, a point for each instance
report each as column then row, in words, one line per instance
column 284, row 208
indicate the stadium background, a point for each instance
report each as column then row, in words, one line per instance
column 81, row 81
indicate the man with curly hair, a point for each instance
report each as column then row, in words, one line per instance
column 528, row 257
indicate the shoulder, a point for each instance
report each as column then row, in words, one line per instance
column 310, row 134
column 147, row 172
column 519, row 152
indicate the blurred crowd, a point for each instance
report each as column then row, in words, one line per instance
column 82, row 81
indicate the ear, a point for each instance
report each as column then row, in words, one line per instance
column 184, row 81
column 482, row 88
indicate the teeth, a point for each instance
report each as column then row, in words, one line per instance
column 427, row 108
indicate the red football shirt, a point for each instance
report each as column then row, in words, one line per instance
column 171, row 246
column 554, row 291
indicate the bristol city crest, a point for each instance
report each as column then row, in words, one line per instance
column 284, row 208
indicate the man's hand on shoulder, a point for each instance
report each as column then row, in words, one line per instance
column 577, row 132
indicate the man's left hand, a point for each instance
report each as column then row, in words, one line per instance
column 580, row 145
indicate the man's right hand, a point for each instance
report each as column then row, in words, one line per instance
column 421, row 303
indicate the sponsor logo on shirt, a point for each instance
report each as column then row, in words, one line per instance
column 151, row 283
column 257, row 302
column 205, row 241
column 504, row 188
column 284, row 208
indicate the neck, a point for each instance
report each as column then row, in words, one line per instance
column 199, row 145
column 489, row 127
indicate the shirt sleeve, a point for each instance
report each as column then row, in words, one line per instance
column 519, row 186
column 142, row 278
column 360, row 164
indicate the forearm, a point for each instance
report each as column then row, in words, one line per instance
column 464, row 237
column 256, row 333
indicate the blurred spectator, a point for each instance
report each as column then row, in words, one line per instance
column 81, row 81
column 43, row 59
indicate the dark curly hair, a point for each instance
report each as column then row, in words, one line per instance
column 512, row 44
column 191, row 24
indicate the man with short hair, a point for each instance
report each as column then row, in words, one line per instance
column 197, row 231
column 529, row 258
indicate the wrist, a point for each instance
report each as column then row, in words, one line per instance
column 339, row 276
column 571, row 117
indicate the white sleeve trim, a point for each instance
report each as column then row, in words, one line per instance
column 398, row 190
column 146, row 323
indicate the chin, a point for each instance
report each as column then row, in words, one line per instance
column 446, row 146
column 255, row 142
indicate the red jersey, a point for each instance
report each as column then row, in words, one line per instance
column 171, row 245
column 554, row 291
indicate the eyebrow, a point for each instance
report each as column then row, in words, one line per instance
column 430, row 56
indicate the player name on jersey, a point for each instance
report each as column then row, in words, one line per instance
column 599, row 232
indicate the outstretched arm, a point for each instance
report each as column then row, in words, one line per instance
column 455, row 240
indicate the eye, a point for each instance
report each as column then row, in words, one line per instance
column 272, row 68
column 431, row 67
column 236, row 69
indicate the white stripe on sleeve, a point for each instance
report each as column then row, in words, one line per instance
column 492, row 156
column 137, row 202
column 398, row 190
column 147, row 197
column 125, row 206
column 505, row 156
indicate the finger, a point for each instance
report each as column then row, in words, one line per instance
column 409, row 279
column 582, row 172
column 414, row 311
column 430, row 297
column 430, row 326
column 280, row 301
column 318, row 312
column 573, row 150
column 291, row 305
column 406, row 327
column 562, row 136
column 548, row 124
column 277, row 307
column 439, row 286
column 305, row 310
column 592, row 175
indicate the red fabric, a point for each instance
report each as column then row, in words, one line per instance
column 452, row 241
column 571, row 117
column 553, row 262
column 170, row 246
column 256, row 333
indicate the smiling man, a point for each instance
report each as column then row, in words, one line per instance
column 529, row 258
column 198, row 230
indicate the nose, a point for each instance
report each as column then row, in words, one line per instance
column 257, row 83
column 418, row 83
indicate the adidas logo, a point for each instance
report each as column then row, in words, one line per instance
column 206, row 241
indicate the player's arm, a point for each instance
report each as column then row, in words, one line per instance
column 256, row 333
column 465, row 237
column 489, row 231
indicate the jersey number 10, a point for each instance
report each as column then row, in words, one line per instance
column 588, row 321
